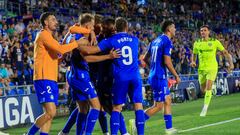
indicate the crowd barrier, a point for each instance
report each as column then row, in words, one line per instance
column 16, row 110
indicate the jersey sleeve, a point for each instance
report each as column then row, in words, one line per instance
column 104, row 45
column 195, row 49
column 219, row 45
column 167, row 49
column 51, row 43
column 79, row 30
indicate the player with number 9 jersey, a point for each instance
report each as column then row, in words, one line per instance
column 125, row 69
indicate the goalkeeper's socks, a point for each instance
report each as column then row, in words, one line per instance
column 207, row 97
column 168, row 121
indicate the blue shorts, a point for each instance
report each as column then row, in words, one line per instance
column 46, row 90
column 82, row 88
column 122, row 88
column 160, row 89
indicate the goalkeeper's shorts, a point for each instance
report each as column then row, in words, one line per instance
column 204, row 75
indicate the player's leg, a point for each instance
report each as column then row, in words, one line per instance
column 158, row 97
column 85, row 87
column 210, row 77
column 136, row 96
column 92, row 115
column 168, row 115
column 70, row 122
column 44, row 121
column 83, row 108
column 119, row 95
column 47, row 93
column 103, row 121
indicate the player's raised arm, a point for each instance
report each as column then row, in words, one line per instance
column 53, row 44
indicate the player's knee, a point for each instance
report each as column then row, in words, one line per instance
column 158, row 106
column 117, row 108
column 168, row 101
column 50, row 115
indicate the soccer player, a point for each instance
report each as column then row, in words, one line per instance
column 79, row 80
column 160, row 53
column 105, row 80
column 46, row 50
column 206, row 48
column 127, row 79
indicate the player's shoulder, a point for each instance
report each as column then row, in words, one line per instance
column 44, row 34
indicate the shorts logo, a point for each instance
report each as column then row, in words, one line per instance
column 86, row 89
column 52, row 97
column 42, row 92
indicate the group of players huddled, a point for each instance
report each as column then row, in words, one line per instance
column 104, row 71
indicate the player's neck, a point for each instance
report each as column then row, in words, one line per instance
column 47, row 29
column 168, row 35
column 205, row 38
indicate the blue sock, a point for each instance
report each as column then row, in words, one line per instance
column 168, row 121
column 140, row 122
column 71, row 121
column 146, row 116
column 122, row 128
column 42, row 133
column 91, row 120
column 81, row 122
column 103, row 121
column 114, row 122
column 34, row 129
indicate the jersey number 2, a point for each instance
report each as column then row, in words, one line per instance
column 127, row 55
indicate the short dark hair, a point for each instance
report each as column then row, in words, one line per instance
column 98, row 19
column 85, row 18
column 165, row 25
column 108, row 21
column 205, row 26
column 121, row 24
column 44, row 16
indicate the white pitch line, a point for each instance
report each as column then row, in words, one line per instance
column 209, row 125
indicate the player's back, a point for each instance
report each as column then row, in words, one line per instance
column 159, row 47
column 125, row 67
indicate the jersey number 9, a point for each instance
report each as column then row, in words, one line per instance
column 127, row 55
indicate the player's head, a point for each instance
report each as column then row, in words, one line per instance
column 121, row 24
column 87, row 20
column 108, row 26
column 48, row 21
column 98, row 23
column 205, row 31
column 168, row 27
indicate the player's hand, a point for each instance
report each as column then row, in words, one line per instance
column 193, row 64
column 178, row 80
column 82, row 42
column 93, row 39
column 115, row 53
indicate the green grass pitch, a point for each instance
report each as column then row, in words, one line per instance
column 185, row 116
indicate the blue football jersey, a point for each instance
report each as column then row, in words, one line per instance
column 159, row 47
column 78, row 64
column 125, row 67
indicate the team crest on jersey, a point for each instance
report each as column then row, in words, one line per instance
column 210, row 44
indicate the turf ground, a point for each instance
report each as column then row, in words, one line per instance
column 185, row 118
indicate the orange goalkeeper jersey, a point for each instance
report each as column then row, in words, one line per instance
column 46, row 50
